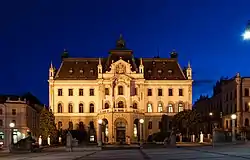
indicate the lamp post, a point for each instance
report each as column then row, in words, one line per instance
column 233, row 117
column 12, row 125
column 99, row 133
column 210, row 124
column 246, row 34
column 141, row 130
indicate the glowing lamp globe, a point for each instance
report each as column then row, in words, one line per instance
column 100, row 121
column 12, row 125
column 233, row 116
column 141, row 121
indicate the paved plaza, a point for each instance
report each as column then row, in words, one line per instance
column 231, row 152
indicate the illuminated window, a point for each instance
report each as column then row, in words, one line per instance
column 170, row 108
column 150, row 109
column 160, row 107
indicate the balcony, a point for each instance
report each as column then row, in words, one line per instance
column 132, row 110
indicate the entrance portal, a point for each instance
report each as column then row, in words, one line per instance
column 121, row 132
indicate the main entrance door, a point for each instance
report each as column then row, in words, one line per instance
column 120, row 132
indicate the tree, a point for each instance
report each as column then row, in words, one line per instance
column 47, row 126
column 187, row 121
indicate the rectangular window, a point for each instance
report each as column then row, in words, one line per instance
column 1, row 122
column 91, row 92
column 70, row 92
column 136, row 91
column 180, row 92
column 1, row 111
column 120, row 90
column 150, row 125
column 159, row 92
column 106, row 91
column 246, row 92
column 59, row 92
column 80, row 92
column 149, row 92
column 13, row 111
column 170, row 92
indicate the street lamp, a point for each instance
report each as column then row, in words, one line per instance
column 246, row 34
column 100, row 133
column 141, row 131
column 233, row 117
column 210, row 124
column 12, row 125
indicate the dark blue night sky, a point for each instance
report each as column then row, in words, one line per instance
column 34, row 32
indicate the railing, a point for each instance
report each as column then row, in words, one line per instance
column 120, row 110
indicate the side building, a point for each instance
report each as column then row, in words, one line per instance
column 230, row 96
column 119, row 90
column 23, row 111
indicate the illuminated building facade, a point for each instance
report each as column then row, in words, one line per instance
column 120, row 90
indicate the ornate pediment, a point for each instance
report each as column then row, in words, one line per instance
column 121, row 67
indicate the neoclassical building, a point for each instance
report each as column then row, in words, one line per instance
column 119, row 89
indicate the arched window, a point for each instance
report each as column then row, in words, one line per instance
column 70, row 125
column 246, row 122
column 120, row 104
column 59, row 125
column 81, row 125
column 134, row 105
column 160, row 107
column 106, row 106
column 59, row 108
column 70, row 108
column 180, row 107
column 91, row 108
column 226, row 123
column 81, row 108
column 170, row 108
column 120, row 90
column 149, row 107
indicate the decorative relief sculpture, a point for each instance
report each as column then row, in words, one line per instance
column 120, row 68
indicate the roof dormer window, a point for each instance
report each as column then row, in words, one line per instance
column 159, row 71
column 153, row 62
column 87, row 62
column 71, row 70
column 170, row 71
column 91, row 71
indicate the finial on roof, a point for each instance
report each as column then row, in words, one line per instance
column 100, row 61
column 189, row 66
column 238, row 74
column 51, row 65
column 140, row 61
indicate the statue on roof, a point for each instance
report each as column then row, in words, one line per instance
column 120, row 42
column 174, row 54
column 65, row 54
